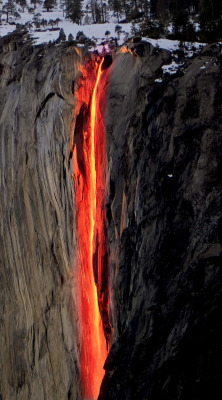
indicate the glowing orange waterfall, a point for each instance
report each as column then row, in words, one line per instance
column 88, row 183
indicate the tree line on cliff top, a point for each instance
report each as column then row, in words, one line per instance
column 189, row 20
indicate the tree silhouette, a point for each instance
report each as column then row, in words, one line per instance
column 49, row 5
column 9, row 8
column 118, row 30
column 74, row 10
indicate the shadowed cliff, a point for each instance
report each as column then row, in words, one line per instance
column 165, row 213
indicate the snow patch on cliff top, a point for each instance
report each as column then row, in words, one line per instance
column 173, row 45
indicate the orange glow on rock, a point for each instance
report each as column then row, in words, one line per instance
column 89, row 180
column 125, row 49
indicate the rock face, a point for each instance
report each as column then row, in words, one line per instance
column 165, row 228
column 38, row 357
column 164, row 212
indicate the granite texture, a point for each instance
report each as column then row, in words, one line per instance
column 38, row 321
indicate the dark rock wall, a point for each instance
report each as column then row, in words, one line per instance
column 38, row 322
column 165, row 217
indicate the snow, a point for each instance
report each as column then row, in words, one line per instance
column 172, row 45
column 171, row 68
column 158, row 80
column 170, row 28
column 45, row 36
column 166, row 44
column 93, row 31
column 5, row 29
column 196, row 27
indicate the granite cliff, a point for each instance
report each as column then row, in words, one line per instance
column 164, row 217
column 38, row 358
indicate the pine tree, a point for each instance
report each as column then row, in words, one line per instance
column 145, row 5
column 125, row 8
column 96, row 10
column 104, row 11
column 49, row 5
column 180, row 22
column 74, row 10
column 51, row 22
column 9, row 8
column 153, row 7
column 81, row 37
column 22, row 4
column 134, row 5
column 70, row 38
column 116, row 7
column 210, row 20
column 210, row 9
column 118, row 30
column 92, row 9
column 62, row 36
column 107, row 34
column 98, row 14
column 162, row 10
column 87, row 15
column 34, row 2
column 1, row 12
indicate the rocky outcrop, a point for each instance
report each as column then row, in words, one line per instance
column 165, row 215
column 38, row 322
